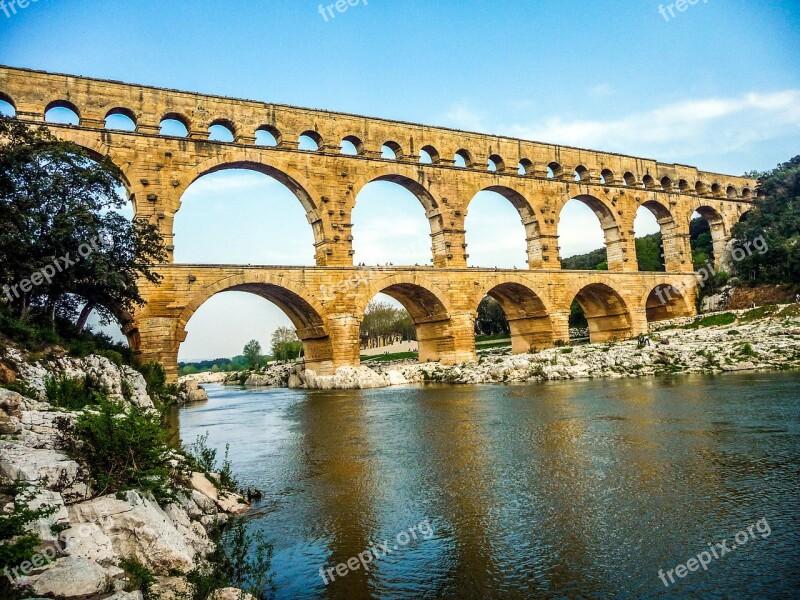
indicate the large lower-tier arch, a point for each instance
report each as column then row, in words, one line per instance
column 299, row 305
column 606, row 311
column 430, row 310
column 527, row 314
column 665, row 301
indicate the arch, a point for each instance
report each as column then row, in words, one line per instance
column 606, row 311
column 731, row 192
column 8, row 100
column 701, row 188
column 581, row 173
column 221, row 130
column 747, row 193
column 431, row 153
column 64, row 118
column 120, row 118
column 525, row 167
column 718, row 231
column 299, row 305
column 666, row 184
column 409, row 244
column 528, row 216
column 391, row 150
column 429, row 308
column 671, row 251
column 495, row 163
column 607, row 177
column 664, row 302
column 648, row 182
column 309, row 141
column 528, row 316
column 684, row 186
column 352, row 146
column 716, row 189
column 403, row 175
column 463, row 158
column 608, row 223
column 268, row 135
column 629, row 179
column 175, row 125
column 554, row 171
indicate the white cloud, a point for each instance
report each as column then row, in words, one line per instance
column 601, row 90
column 461, row 116
column 680, row 130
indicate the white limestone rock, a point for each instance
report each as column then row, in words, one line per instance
column 87, row 540
column 138, row 528
column 71, row 577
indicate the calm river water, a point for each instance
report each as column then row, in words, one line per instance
column 562, row 489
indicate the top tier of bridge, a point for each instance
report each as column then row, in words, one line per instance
column 33, row 93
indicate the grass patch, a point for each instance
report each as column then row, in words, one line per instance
column 493, row 337
column 496, row 345
column 759, row 313
column 712, row 321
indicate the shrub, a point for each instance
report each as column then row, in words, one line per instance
column 747, row 350
column 139, row 576
column 123, row 449
column 204, row 458
column 18, row 545
column 74, row 393
column 241, row 559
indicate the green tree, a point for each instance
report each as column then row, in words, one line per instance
column 383, row 320
column 57, row 209
column 285, row 344
column 252, row 353
column 491, row 318
column 771, row 230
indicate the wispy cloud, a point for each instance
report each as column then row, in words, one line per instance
column 680, row 130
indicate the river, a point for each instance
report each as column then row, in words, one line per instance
column 565, row 489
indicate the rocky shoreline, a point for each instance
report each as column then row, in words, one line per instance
column 766, row 338
column 89, row 536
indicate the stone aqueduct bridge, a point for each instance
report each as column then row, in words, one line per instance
column 326, row 302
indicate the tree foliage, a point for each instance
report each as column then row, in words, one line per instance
column 285, row 344
column 55, row 200
column 491, row 318
column 776, row 219
column 252, row 353
column 382, row 321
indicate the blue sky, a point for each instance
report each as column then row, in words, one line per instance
column 716, row 86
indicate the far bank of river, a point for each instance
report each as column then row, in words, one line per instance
column 766, row 338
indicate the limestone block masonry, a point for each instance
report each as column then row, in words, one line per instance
column 326, row 302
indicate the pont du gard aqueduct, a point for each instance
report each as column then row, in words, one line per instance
column 326, row 302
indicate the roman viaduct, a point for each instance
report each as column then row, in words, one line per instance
column 443, row 168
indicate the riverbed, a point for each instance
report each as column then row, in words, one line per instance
column 559, row 489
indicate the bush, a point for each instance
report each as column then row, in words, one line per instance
column 139, row 577
column 123, row 448
column 18, row 545
column 74, row 393
column 240, row 559
column 204, row 458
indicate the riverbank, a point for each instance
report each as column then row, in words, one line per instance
column 57, row 469
column 766, row 338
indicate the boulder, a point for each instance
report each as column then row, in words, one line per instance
column 7, row 375
column 50, row 468
column 88, row 541
column 70, row 577
column 230, row 593
column 138, row 528
column 190, row 392
column 170, row 588
column 43, row 526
